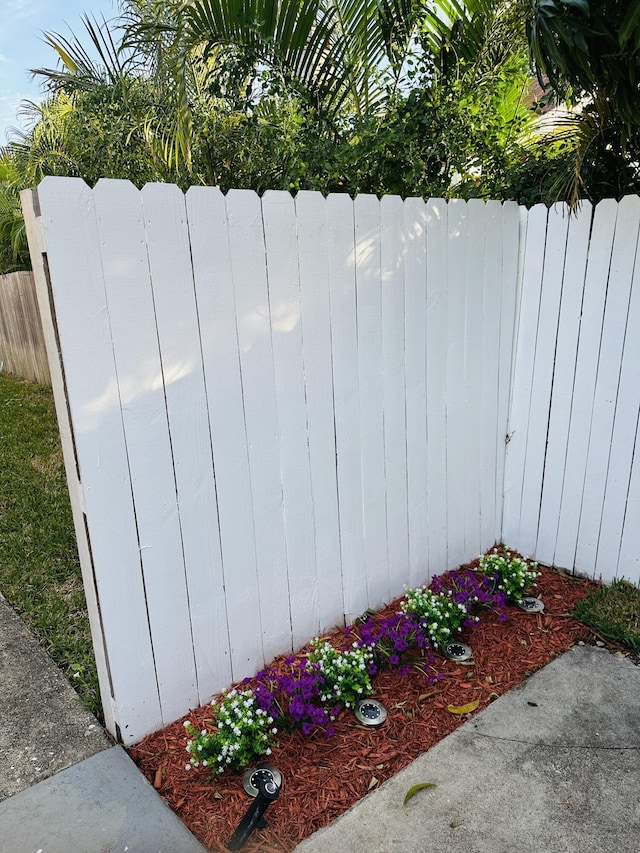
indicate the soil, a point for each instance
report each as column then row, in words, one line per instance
column 322, row 778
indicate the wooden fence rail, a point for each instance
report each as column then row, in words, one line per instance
column 22, row 349
column 278, row 412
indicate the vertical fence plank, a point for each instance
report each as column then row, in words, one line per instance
column 174, row 304
column 456, row 415
column 607, row 382
column 532, row 272
column 573, row 281
column 213, row 282
column 488, row 409
column 623, row 438
column 74, row 247
column 436, row 354
column 311, row 216
column 415, row 386
column 599, row 260
column 542, row 376
column 629, row 558
column 370, row 384
column 286, row 331
column 514, row 231
column 142, row 398
column 246, row 241
column 347, row 401
column 474, row 252
column 393, row 388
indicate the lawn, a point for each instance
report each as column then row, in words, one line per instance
column 39, row 567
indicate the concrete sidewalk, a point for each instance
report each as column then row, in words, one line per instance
column 553, row 766
column 64, row 787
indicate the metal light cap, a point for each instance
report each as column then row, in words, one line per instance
column 531, row 605
column 370, row 712
column 456, row 650
column 265, row 772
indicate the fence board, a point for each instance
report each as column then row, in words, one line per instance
column 629, row 559
column 523, row 377
column 344, row 337
column 436, row 353
column 170, row 267
column 573, row 282
column 474, row 249
column 246, row 241
column 542, row 377
column 623, row 436
column 489, row 414
column 311, row 215
column 73, row 249
column 606, row 389
column 286, row 331
column 371, row 391
column 22, row 346
column 141, row 393
column 456, row 415
column 600, row 247
column 218, row 334
column 392, row 251
column 415, row 387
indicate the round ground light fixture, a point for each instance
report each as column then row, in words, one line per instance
column 456, row 650
column 370, row 712
column 261, row 772
column 531, row 605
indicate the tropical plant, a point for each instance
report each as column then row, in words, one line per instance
column 588, row 53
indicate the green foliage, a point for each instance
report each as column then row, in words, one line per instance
column 588, row 51
column 511, row 574
column 242, row 732
column 39, row 567
column 345, row 673
column 440, row 615
column 613, row 611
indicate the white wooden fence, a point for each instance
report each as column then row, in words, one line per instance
column 276, row 412
column 572, row 486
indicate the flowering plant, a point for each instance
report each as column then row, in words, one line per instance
column 472, row 589
column 438, row 613
column 346, row 674
column 510, row 574
column 294, row 696
column 243, row 731
column 391, row 638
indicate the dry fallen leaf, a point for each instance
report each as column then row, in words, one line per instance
column 463, row 709
column 373, row 783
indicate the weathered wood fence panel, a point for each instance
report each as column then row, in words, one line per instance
column 22, row 347
column 571, row 480
column 279, row 413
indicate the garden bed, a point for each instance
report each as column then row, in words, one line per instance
column 323, row 777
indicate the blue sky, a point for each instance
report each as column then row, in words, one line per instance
column 22, row 23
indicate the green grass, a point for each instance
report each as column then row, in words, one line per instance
column 614, row 612
column 39, row 567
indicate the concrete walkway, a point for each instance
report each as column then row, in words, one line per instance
column 64, row 787
column 553, row 766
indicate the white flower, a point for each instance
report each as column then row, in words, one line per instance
column 187, row 767
column 268, row 751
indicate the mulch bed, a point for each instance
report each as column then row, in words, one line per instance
column 323, row 777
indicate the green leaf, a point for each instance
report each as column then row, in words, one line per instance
column 414, row 790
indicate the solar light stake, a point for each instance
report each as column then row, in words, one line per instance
column 268, row 792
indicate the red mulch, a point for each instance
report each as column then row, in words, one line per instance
column 322, row 777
